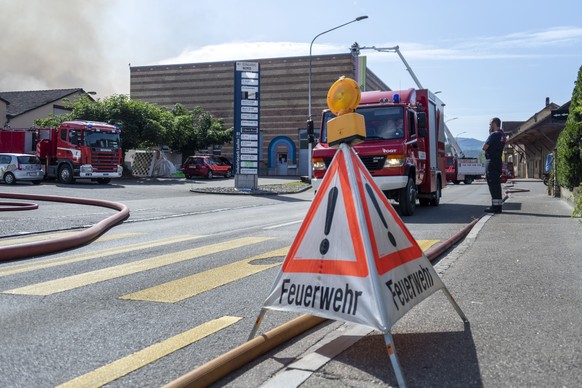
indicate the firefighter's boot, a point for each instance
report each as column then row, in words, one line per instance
column 495, row 206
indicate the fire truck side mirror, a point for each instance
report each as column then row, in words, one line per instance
column 421, row 117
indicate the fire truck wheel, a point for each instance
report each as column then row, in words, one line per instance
column 436, row 199
column 468, row 180
column 9, row 178
column 407, row 200
column 457, row 182
column 66, row 174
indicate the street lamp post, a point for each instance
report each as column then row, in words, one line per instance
column 452, row 140
column 310, row 132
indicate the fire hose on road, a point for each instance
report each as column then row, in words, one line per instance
column 37, row 248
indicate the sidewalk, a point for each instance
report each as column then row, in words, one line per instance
column 518, row 278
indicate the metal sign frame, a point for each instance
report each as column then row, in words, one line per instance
column 246, row 124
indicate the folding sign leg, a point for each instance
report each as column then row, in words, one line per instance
column 257, row 324
column 455, row 305
column 394, row 360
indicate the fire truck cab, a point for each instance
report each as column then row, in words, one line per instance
column 404, row 148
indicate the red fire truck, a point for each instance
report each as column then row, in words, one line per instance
column 75, row 150
column 404, row 149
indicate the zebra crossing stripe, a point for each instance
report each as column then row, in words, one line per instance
column 193, row 285
column 71, row 282
column 50, row 262
column 42, row 237
column 426, row 244
column 119, row 368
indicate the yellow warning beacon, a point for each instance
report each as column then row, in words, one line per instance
column 348, row 127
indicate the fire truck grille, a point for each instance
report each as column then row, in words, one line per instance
column 104, row 161
column 372, row 163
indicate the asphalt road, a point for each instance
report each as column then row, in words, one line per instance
column 516, row 276
column 177, row 284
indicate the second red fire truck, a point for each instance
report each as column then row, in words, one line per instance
column 75, row 150
column 404, row 149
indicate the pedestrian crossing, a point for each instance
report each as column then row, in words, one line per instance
column 193, row 285
column 84, row 279
column 170, row 292
column 27, row 267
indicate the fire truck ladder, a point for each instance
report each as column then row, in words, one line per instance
column 355, row 49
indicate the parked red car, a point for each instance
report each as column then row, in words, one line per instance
column 207, row 166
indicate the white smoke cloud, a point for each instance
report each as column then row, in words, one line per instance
column 50, row 44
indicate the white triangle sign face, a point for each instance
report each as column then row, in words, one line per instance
column 404, row 271
column 353, row 258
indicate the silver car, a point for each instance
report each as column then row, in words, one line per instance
column 20, row 167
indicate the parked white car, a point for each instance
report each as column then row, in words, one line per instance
column 20, row 167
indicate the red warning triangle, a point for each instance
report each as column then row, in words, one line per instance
column 353, row 258
column 330, row 239
column 340, row 250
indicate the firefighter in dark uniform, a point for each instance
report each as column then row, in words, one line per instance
column 493, row 148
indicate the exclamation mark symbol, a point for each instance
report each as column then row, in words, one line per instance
column 377, row 207
column 331, row 200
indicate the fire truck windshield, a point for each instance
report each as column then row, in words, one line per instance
column 382, row 122
column 97, row 139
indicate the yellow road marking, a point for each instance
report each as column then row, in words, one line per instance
column 426, row 244
column 193, row 285
column 190, row 286
column 21, row 240
column 26, row 267
column 123, row 366
column 87, row 278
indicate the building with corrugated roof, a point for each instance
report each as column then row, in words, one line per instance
column 284, row 86
column 529, row 142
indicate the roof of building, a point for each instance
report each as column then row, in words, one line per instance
column 510, row 126
column 539, row 128
column 229, row 62
column 24, row 101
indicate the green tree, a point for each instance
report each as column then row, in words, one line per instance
column 145, row 125
column 569, row 158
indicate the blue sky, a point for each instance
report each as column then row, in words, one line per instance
column 495, row 58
